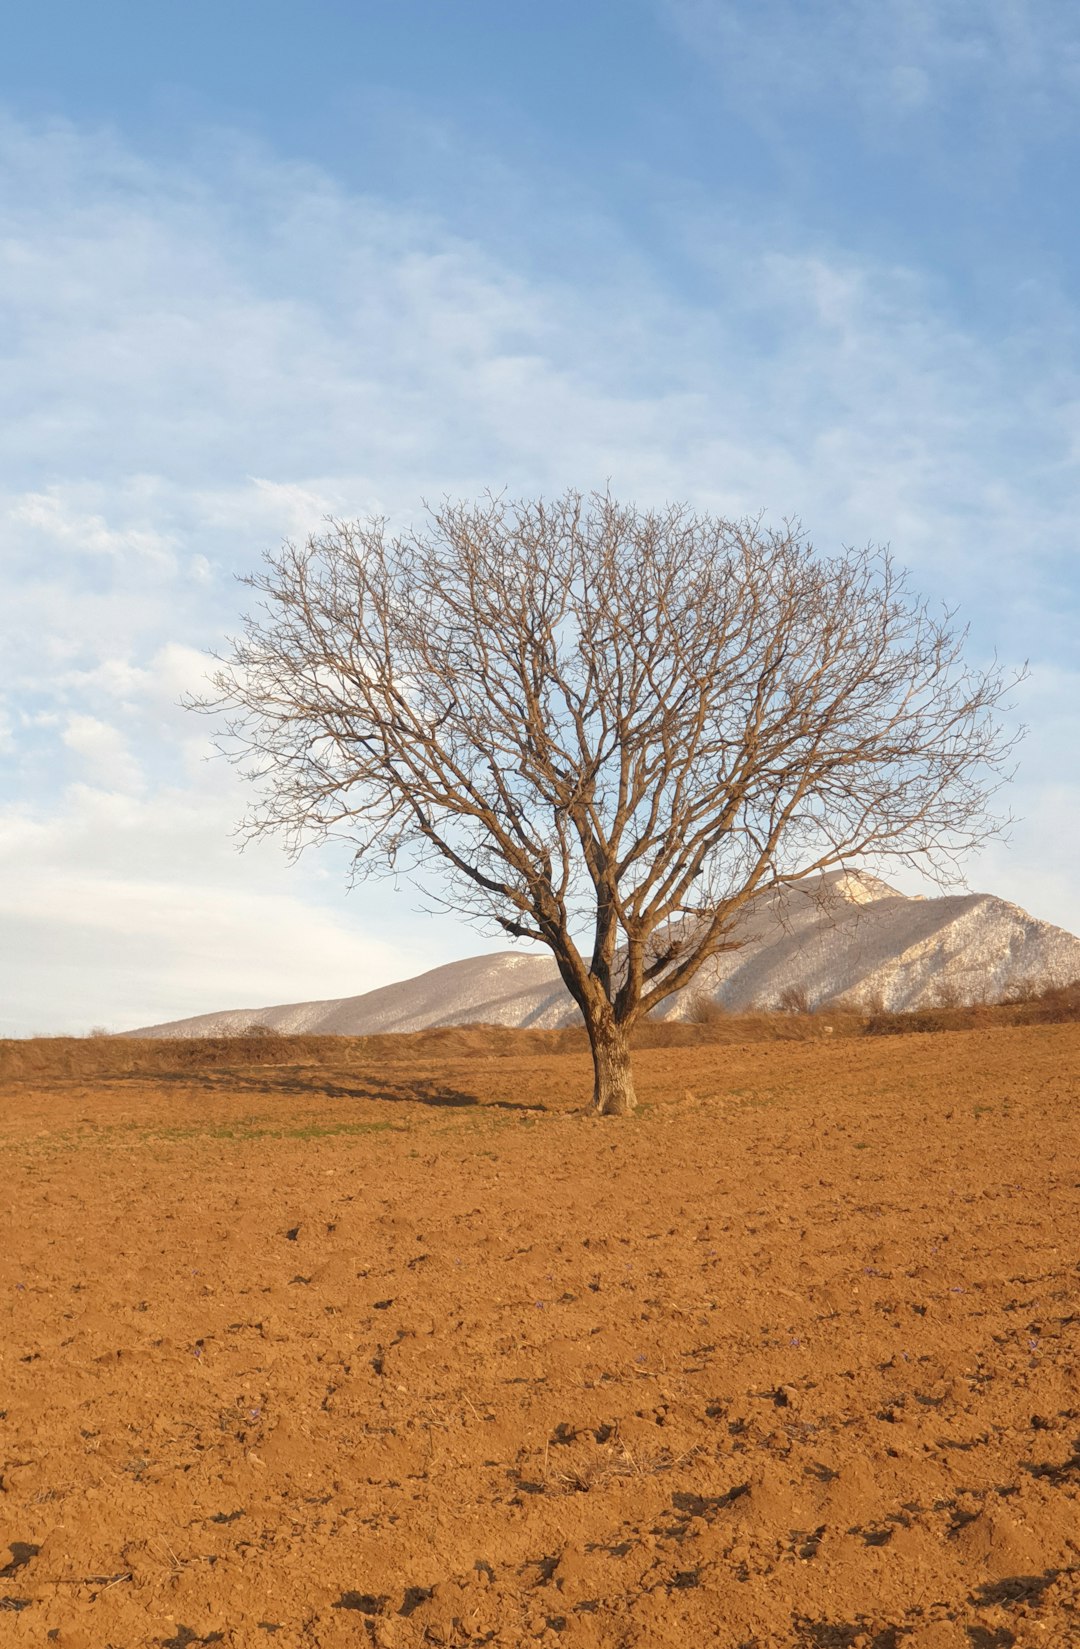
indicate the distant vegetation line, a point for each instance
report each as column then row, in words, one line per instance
column 102, row 1055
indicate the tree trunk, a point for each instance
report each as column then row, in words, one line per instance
column 613, row 1087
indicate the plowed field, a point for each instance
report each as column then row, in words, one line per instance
column 405, row 1352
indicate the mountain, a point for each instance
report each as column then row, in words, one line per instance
column 844, row 935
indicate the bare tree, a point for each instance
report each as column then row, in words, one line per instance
column 609, row 727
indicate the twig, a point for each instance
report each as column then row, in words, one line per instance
column 116, row 1580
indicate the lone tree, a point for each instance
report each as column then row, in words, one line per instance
column 607, row 727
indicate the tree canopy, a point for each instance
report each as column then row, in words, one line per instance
column 605, row 728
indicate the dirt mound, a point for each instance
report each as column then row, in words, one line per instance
column 384, row 1343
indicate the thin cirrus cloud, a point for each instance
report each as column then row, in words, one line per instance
column 895, row 58
column 207, row 358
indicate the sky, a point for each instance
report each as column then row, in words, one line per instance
column 261, row 264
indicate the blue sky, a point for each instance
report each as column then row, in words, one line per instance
column 263, row 263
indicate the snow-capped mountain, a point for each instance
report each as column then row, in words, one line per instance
column 844, row 935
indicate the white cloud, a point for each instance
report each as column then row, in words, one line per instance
column 122, row 910
column 103, row 753
column 43, row 520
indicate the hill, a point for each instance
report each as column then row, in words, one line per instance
column 843, row 937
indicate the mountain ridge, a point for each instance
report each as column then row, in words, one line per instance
column 845, row 935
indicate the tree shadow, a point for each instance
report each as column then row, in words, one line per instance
column 429, row 1093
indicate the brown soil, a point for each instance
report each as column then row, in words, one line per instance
column 357, row 1345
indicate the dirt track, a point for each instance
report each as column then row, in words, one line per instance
column 406, row 1353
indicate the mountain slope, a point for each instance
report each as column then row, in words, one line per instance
column 843, row 935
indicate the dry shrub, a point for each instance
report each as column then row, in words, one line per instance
column 727, row 1029
column 918, row 1021
column 794, row 1026
column 706, row 1009
column 121, row 1056
column 1028, row 989
column 1027, row 1003
column 1046, row 1003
